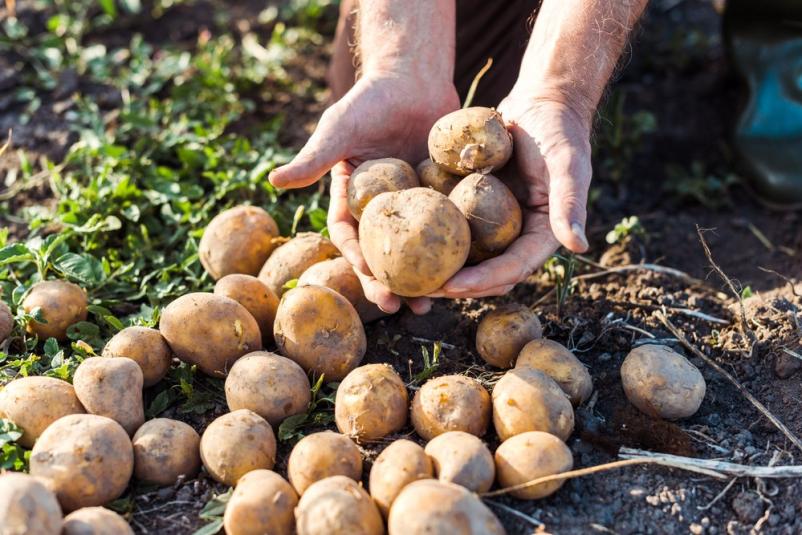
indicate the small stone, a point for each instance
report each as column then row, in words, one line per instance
column 696, row 529
column 748, row 506
column 785, row 366
column 705, row 522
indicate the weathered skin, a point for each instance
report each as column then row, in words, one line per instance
column 164, row 450
column 27, row 506
column 371, row 402
column 145, row 346
column 463, row 459
column 433, row 176
column 255, row 296
column 529, row 456
column 451, row 403
column 557, row 362
column 378, row 176
column 504, row 332
column 470, row 140
column 111, row 387
column 263, row 502
column 321, row 455
column 95, row 521
column 62, row 304
column 337, row 506
column 291, row 259
column 398, row 465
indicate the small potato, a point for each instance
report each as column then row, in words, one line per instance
column 210, row 331
column 291, row 259
column 433, row 176
column 165, row 450
column 451, row 403
column 86, row 459
column 337, row 505
column 321, row 455
column 503, row 332
column 378, row 176
column 236, row 443
column 529, row 456
column 398, row 465
column 111, row 387
column 320, row 330
column 237, row 240
column 272, row 386
column 62, row 304
column 463, row 459
column 95, row 521
column 27, row 506
column 147, row 347
column 470, row 140
column 255, row 296
column 33, row 403
column 338, row 274
column 414, row 240
column 526, row 399
column 6, row 322
column 262, row 503
column 434, row 507
column 371, row 402
column 557, row 362
column 662, row 383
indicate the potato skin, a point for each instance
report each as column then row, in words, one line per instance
column 255, row 296
column 86, row 459
column 321, row 455
column 451, row 403
column 147, row 347
column 463, row 459
column 95, row 521
column 262, row 503
column 62, row 303
column 33, row 403
column 291, row 259
column 414, row 240
column 371, row 402
column 338, row 274
column 272, row 386
column 470, row 140
column 337, row 505
column 504, row 332
column 529, row 456
column 210, row 331
column 237, row 240
column 111, row 387
column 398, row 465
column 526, row 399
column 236, row 443
column 557, row 362
column 662, row 383
column 320, row 330
column 378, row 176
column 164, row 450
column 433, row 176
column 6, row 322
column 27, row 506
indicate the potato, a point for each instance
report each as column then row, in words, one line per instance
column 321, row 455
column 95, row 521
column 526, row 399
column 255, row 296
column 662, row 383
column 237, row 240
column 557, row 362
column 433, row 176
column 462, row 458
column 147, row 347
column 86, row 459
column 262, row 503
column 6, row 322
column 470, row 140
column 529, row 456
column 504, row 332
column 339, row 275
column 398, row 465
column 236, row 443
column 272, row 386
column 451, row 403
column 290, row 260
column 371, row 402
column 165, row 450
column 337, row 505
column 378, row 176
column 33, row 403
column 320, row 330
column 434, row 507
column 62, row 304
column 414, row 240
column 210, row 331
column 27, row 506
column 111, row 387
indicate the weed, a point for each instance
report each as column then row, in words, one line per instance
column 430, row 363
column 291, row 429
column 619, row 136
column 560, row 270
column 700, row 185
column 627, row 227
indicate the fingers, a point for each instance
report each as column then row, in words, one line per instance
column 419, row 305
column 343, row 228
column 569, row 180
column 377, row 293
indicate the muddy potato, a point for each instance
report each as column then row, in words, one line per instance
column 321, row 455
column 463, row 459
column 255, row 296
column 272, row 386
column 320, row 330
column 433, row 176
column 95, row 521
column 33, row 403
column 662, row 383
column 450, row 403
column 371, row 402
column 529, row 456
column 86, row 459
column 338, row 274
column 378, row 176
column 290, row 260
column 526, row 399
column 165, row 450
column 147, row 347
column 6, row 321
column 414, row 240
column 262, row 503
column 337, row 505
column 111, row 387
column 398, row 465
column 557, row 362
column 27, row 506
column 237, row 240
column 504, row 332
column 236, row 443
column 470, row 140
column 61, row 303
column 210, row 331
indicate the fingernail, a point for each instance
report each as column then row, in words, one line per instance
column 579, row 232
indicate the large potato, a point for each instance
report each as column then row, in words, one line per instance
column 433, row 176
column 503, row 332
column 662, row 383
column 529, row 456
column 33, row 403
column 398, row 465
column 463, row 459
column 320, row 330
column 378, row 176
column 470, row 140
column 62, row 304
column 557, row 362
column 255, row 296
column 236, row 443
column 86, row 459
column 272, row 386
column 95, row 521
column 338, row 274
column 147, row 347
column 165, row 450
column 27, row 506
column 237, row 240
column 371, row 402
column 321, row 455
column 290, row 260
column 111, row 387
column 210, row 331
column 337, row 505
column 451, row 403
column 6, row 322
column 262, row 503
column 414, row 240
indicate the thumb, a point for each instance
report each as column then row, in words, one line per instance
column 569, row 180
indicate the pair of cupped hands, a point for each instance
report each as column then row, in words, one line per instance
column 389, row 115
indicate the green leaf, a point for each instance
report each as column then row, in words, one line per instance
column 81, row 267
column 216, row 506
column 108, row 7
column 16, row 252
column 9, row 432
column 211, row 528
column 160, row 403
column 288, row 429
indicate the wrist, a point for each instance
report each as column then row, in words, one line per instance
column 572, row 100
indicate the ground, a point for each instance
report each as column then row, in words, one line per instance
column 661, row 153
